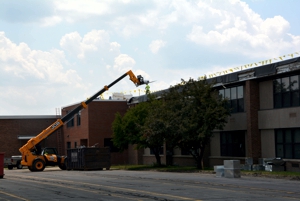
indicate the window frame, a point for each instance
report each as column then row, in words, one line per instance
column 230, row 146
column 79, row 118
column 289, row 147
column 236, row 100
column 286, row 96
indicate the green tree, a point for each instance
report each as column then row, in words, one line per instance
column 156, row 128
column 196, row 109
column 183, row 117
column 136, row 128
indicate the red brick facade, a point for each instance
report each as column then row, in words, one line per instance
column 253, row 138
column 14, row 126
column 257, row 122
column 95, row 126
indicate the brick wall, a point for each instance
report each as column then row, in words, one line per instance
column 10, row 129
column 101, row 115
column 96, row 125
column 78, row 132
column 253, row 134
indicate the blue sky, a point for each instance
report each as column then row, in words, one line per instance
column 56, row 53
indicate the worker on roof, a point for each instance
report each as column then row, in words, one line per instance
column 147, row 89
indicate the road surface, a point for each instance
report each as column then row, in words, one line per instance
column 56, row 184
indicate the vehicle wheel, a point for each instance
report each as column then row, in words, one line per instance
column 10, row 167
column 38, row 165
column 30, row 168
column 62, row 166
column 19, row 166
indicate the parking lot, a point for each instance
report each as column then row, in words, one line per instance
column 55, row 184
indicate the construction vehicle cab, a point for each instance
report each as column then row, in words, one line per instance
column 37, row 159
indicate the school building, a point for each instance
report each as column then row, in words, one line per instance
column 265, row 122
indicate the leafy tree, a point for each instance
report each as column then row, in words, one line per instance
column 184, row 117
column 156, row 128
column 136, row 128
column 197, row 110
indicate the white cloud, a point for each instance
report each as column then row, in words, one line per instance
column 274, row 27
column 123, row 63
column 84, row 7
column 156, row 45
column 51, row 21
column 93, row 41
column 244, row 32
column 22, row 62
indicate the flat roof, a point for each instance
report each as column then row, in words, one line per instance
column 96, row 100
column 263, row 71
column 25, row 137
column 30, row 116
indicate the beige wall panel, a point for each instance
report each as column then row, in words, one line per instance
column 279, row 118
column 147, row 151
column 236, row 121
column 176, row 151
column 267, row 143
column 266, row 94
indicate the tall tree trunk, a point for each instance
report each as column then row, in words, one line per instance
column 157, row 156
column 201, row 154
column 198, row 156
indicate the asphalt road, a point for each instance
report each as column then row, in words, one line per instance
column 55, row 184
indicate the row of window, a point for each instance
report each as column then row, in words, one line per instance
column 84, row 144
column 287, row 143
column 286, row 92
column 235, row 97
column 70, row 123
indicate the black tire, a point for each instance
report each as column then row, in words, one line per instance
column 19, row 166
column 38, row 165
column 30, row 169
column 10, row 167
column 62, row 166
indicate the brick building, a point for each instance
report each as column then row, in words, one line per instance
column 15, row 131
column 265, row 119
column 93, row 126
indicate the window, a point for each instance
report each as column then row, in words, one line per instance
column 185, row 152
column 109, row 143
column 235, row 97
column 84, row 142
column 70, row 122
column 75, row 144
column 233, row 143
column 68, row 145
column 161, row 151
column 79, row 118
column 287, row 143
column 286, row 92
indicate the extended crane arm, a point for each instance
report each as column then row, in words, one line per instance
column 30, row 145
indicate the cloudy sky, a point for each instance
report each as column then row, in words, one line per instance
column 56, row 53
